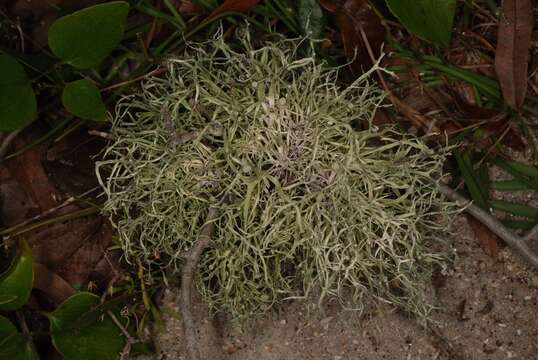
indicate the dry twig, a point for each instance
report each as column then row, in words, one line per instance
column 518, row 243
column 129, row 340
column 187, row 275
column 6, row 141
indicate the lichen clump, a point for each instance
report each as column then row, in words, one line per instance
column 309, row 205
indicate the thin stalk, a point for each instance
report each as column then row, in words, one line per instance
column 18, row 230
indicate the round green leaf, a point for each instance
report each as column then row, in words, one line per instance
column 428, row 19
column 16, row 347
column 311, row 18
column 6, row 328
column 4, row 299
column 17, row 280
column 12, row 344
column 83, row 39
column 83, row 99
column 77, row 339
column 18, row 106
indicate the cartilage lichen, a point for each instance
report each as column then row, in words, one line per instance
column 308, row 203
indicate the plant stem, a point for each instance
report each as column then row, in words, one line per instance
column 18, row 229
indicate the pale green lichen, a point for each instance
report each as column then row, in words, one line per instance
column 309, row 206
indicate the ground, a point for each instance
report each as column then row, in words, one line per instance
column 486, row 311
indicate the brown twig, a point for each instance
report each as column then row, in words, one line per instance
column 6, row 141
column 129, row 340
column 517, row 243
column 445, row 345
column 102, row 134
column 417, row 119
column 531, row 235
column 46, row 213
column 19, row 229
column 187, row 275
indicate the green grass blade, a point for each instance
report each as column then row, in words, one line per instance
column 513, row 185
column 517, row 168
column 520, row 224
column 515, row 209
column 479, row 196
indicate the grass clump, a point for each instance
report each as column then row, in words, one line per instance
column 308, row 204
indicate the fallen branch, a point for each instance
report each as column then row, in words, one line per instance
column 519, row 244
column 187, row 274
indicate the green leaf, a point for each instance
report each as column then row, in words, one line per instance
column 18, row 279
column 82, row 340
column 18, row 105
column 86, row 37
column 140, row 348
column 519, row 224
column 472, row 180
column 428, row 19
column 4, row 299
column 17, row 347
column 515, row 209
column 311, row 18
column 516, row 168
column 514, row 185
column 14, row 346
column 83, row 99
column 6, row 328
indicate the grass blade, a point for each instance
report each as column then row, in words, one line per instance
column 515, row 209
column 513, row 185
column 472, row 180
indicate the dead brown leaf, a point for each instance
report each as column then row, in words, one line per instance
column 28, row 170
column 512, row 53
column 51, row 284
column 15, row 204
column 78, row 267
column 233, row 5
column 352, row 16
column 496, row 123
column 487, row 239
column 54, row 245
column 329, row 5
column 187, row 6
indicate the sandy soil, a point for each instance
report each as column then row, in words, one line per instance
column 486, row 310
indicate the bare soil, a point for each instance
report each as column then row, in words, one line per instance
column 486, row 311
